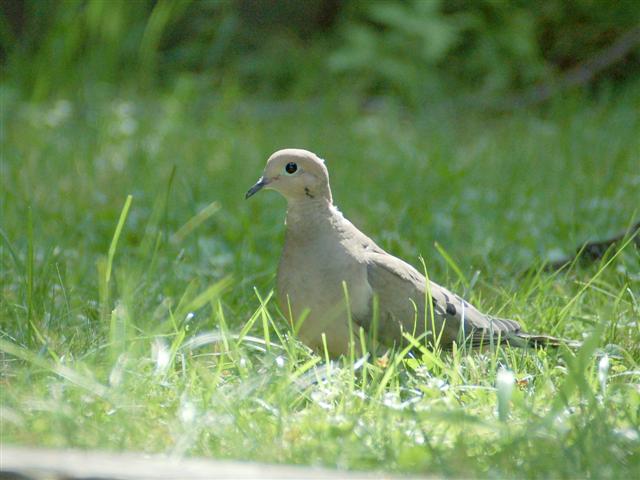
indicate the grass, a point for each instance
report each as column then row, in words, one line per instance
column 146, row 322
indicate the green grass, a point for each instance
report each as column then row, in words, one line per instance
column 148, row 324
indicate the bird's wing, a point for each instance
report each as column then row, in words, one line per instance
column 402, row 294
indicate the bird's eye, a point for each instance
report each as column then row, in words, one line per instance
column 291, row 168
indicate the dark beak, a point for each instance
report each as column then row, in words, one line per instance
column 258, row 186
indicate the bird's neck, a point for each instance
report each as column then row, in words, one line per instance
column 309, row 216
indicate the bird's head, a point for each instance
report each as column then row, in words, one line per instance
column 298, row 175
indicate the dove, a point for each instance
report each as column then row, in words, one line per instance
column 334, row 282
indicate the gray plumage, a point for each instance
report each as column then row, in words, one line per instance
column 324, row 253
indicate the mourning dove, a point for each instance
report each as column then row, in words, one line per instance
column 330, row 273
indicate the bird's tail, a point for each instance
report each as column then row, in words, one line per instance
column 533, row 340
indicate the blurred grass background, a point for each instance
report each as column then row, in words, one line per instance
column 507, row 132
column 416, row 51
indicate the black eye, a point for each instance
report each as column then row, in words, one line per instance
column 291, row 168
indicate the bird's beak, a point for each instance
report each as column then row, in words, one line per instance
column 258, row 186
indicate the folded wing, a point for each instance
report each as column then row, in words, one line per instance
column 402, row 296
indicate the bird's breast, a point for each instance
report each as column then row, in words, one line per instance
column 313, row 275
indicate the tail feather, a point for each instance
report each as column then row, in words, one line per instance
column 534, row 340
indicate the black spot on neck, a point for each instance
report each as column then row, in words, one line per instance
column 451, row 309
column 308, row 193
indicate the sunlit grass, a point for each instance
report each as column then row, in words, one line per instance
column 148, row 322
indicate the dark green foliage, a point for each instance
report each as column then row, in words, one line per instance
column 417, row 50
column 420, row 48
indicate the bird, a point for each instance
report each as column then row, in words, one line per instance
column 335, row 283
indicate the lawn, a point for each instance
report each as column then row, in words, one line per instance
column 136, row 307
